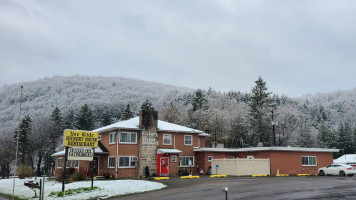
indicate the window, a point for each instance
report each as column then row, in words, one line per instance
column 75, row 163
column 128, row 138
column 309, row 160
column 112, row 138
column 127, row 161
column 231, row 157
column 68, row 164
column 210, row 158
column 174, row 158
column 111, row 162
column 59, row 162
column 186, row 161
column 167, row 139
column 188, row 140
column 99, row 137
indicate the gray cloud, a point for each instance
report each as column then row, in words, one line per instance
column 298, row 47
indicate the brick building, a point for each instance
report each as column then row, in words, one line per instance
column 131, row 148
column 287, row 160
column 128, row 148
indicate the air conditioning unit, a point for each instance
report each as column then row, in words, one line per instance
column 134, row 159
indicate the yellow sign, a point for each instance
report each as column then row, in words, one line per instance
column 77, row 138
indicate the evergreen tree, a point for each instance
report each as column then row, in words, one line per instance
column 55, row 132
column 127, row 114
column 147, row 105
column 23, row 138
column 259, row 114
column 69, row 120
column 239, row 137
column 84, row 119
column 106, row 118
column 199, row 100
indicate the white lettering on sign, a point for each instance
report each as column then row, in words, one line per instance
column 149, row 137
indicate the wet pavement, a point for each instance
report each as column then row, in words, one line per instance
column 279, row 188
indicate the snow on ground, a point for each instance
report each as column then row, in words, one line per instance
column 108, row 188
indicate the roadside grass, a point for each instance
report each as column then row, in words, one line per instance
column 10, row 196
column 74, row 191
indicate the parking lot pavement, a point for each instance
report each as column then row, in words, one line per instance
column 314, row 187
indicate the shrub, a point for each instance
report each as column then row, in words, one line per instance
column 24, row 171
column 76, row 177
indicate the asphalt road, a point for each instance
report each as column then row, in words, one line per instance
column 278, row 188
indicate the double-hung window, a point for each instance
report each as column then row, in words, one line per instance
column 112, row 138
column 308, row 160
column 75, row 163
column 111, row 162
column 186, row 161
column 167, row 139
column 128, row 138
column 127, row 161
column 59, row 162
column 188, row 140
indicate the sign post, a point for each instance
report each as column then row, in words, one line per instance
column 86, row 141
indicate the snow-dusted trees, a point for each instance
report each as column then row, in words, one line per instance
column 199, row 100
column 106, row 118
column 127, row 114
column 84, row 119
column 23, row 138
column 259, row 114
column 7, row 152
column 147, row 105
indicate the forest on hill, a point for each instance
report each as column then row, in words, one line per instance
column 234, row 119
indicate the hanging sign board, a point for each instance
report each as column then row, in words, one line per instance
column 78, row 138
column 75, row 153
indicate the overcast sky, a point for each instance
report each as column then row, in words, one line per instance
column 298, row 47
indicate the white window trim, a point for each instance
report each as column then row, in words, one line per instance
column 99, row 137
column 130, row 137
column 316, row 161
column 190, row 140
column 209, row 160
column 109, row 161
column 187, row 165
column 176, row 158
column 75, row 161
column 61, row 162
column 170, row 136
column 130, row 160
column 112, row 133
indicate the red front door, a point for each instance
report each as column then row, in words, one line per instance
column 164, row 165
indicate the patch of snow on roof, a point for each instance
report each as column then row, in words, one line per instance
column 300, row 149
column 133, row 123
column 97, row 150
column 345, row 159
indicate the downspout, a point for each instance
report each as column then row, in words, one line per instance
column 198, row 141
column 174, row 144
column 117, row 154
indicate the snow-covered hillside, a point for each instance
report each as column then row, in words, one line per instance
column 70, row 93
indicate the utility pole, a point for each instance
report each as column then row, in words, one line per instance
column 273, row 129
column 17, row 145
